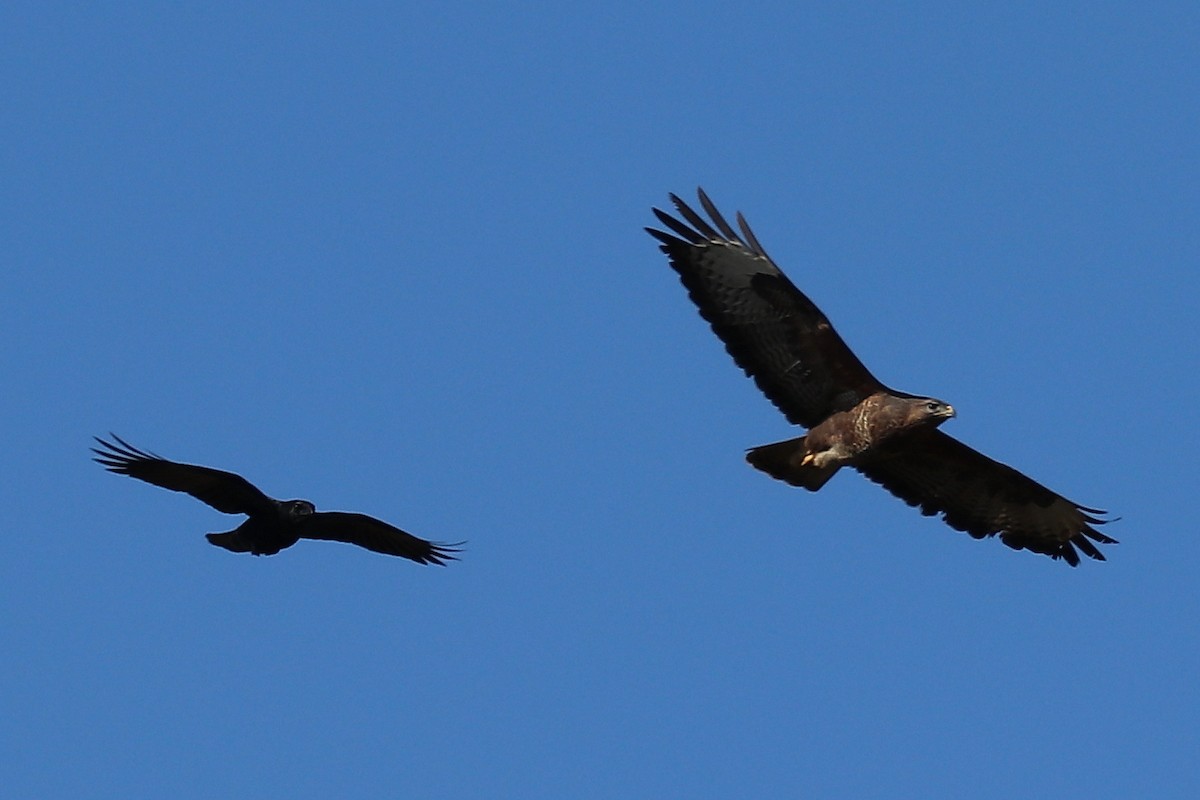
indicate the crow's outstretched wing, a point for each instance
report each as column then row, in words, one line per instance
column 224, row 491
column 374, row 534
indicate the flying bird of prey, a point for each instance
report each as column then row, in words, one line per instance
column 273, row 524
column 783, row 341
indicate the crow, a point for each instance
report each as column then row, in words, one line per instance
column 273, row 524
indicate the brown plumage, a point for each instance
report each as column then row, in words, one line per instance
column 782, row 340
column 273, row 524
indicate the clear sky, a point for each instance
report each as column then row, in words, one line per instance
column 389, row 258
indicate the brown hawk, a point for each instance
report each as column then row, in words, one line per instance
column 784, row 342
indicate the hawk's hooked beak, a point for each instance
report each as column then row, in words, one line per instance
column 949, row 413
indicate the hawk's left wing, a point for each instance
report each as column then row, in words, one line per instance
column 974, row 493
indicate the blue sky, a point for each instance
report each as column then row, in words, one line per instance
column 391, row 259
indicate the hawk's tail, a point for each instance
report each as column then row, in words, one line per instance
column 781, row 460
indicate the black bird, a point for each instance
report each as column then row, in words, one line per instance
column 273, row 524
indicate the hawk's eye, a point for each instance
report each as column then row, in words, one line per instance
column 932, row 406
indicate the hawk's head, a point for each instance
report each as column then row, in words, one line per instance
column 927, row 411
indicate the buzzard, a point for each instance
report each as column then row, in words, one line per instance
column 273, row 524
column 782, row 340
